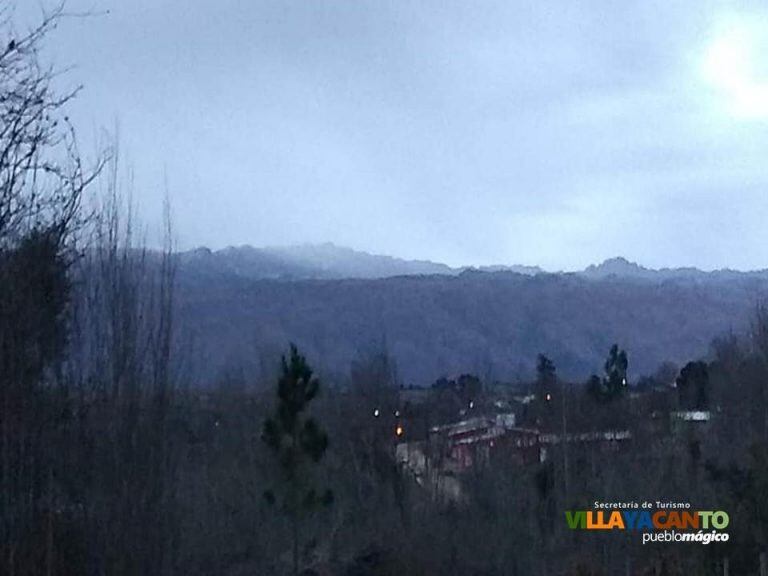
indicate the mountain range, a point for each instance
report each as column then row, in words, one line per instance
column 328, row 261
column 244, row 305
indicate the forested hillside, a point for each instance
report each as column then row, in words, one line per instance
column 490, row 324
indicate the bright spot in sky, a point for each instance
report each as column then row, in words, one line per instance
column 732, row 64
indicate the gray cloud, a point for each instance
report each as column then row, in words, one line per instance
column 483, row 132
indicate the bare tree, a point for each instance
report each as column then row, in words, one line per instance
column 121, row 359
column 42, row 174
column 42, row 180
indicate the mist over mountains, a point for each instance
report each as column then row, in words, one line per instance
column 329, row 261
column 316, row 261
column 245, row 304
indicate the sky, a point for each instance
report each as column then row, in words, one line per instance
column 513, row 132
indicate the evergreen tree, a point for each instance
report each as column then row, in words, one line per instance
column 544, row 388
column 614, row 384
column 546, row 375
column 616, row 372
column 692, row 385
column 297, row 442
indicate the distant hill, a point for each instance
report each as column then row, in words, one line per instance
column 329, row 261
column 244, row 305
column 303, row 262
column 516, row 268
column 618, row 267
column 621, row 268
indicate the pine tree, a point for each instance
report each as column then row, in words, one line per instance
column 544, row 389
column 692, row 386
column 298, row 443
column 614, row 384
column 616, row 372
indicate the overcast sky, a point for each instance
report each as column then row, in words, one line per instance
column 550, row 133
